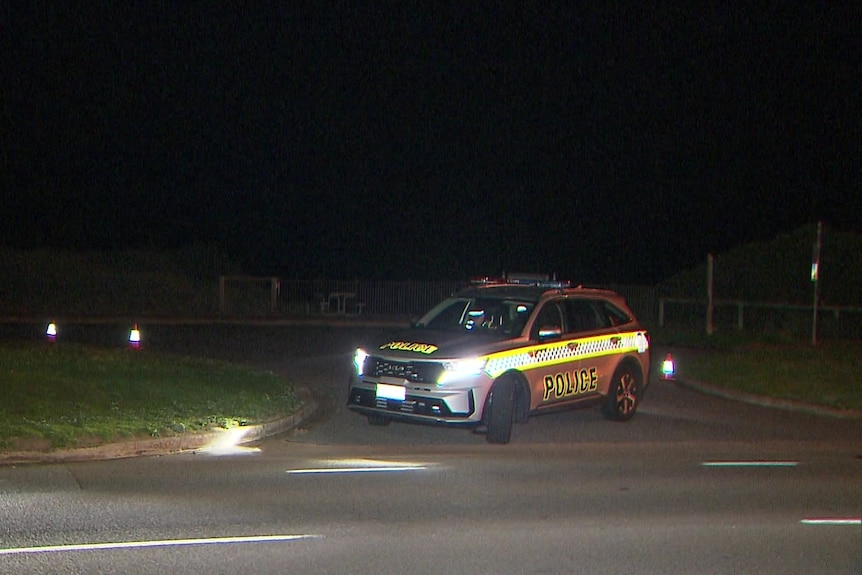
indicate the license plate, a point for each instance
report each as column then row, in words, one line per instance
column 391, row 392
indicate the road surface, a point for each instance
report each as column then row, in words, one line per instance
column 693, row 484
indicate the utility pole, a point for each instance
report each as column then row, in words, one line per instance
column 815, row 277
column 710, row 306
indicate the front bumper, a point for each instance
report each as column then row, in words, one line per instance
column 420, row 404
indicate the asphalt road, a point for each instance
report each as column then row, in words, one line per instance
column 693, row 484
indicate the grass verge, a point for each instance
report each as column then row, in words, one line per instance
column 829, row 374
column 64, row 396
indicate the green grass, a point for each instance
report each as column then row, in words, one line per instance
column 828, row 374
column 64, row 395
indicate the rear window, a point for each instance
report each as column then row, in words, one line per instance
column 585, row 314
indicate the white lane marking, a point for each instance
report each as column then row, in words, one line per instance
column 767, row 463
column 832, row 521
column 162, row 543
column 750, row 463
column 322, row 470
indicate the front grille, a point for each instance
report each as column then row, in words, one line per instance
column 413, row 405
column 412, row 371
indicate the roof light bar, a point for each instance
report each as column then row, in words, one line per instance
column 536, row 280
column 541, row 283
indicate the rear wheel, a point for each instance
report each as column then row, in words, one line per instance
column 623, row 395
column 378, row 420
column 500, row 411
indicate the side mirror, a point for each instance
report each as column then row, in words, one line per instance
column 550, row 331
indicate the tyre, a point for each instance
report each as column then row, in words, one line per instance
column 624, row 394
column 500, row 411
column 378, row 420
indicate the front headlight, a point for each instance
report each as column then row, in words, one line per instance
column 461, row 369
column 359, row 361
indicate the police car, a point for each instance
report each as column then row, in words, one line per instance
column 503, row 350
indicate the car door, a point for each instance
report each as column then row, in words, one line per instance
column 596, row 340
column 554, row 378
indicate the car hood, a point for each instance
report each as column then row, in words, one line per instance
column 425, row 344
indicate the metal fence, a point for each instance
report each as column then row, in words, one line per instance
column 758, row 316
column 257, row 296
column 396, row 298
column 643, row 301
column 650, row 305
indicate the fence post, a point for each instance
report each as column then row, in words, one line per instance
column 661, row 312
column 815, row 277
column 710, row 306
column 221, row 294
column 739, row 321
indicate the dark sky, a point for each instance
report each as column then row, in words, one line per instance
column 606, row 144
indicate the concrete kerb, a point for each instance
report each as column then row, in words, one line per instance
column 191, row 442
column 763, row 401
column 197, row 441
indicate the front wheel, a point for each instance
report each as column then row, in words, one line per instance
column 500, row 411
column 623, row 395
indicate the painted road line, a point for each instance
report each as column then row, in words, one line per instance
column 354, row 465
column 832, row 521
column 322, row 470
column 161, row 543
column 750, row 463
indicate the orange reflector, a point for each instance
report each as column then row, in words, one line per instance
column 51, row 332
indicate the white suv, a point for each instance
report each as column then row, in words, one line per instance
column 501, row 351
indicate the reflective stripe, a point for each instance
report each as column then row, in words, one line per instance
column 564, row 351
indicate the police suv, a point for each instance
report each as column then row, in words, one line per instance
column 503, row 350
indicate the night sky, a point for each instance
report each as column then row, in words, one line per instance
column 347, row 140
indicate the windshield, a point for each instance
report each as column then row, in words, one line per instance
column 478, row 315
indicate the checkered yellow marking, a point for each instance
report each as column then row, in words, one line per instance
column 564, row 351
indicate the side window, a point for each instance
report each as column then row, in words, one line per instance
column 582, row 315
column 517, row 316
column 615, row 315
column 550, row 316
